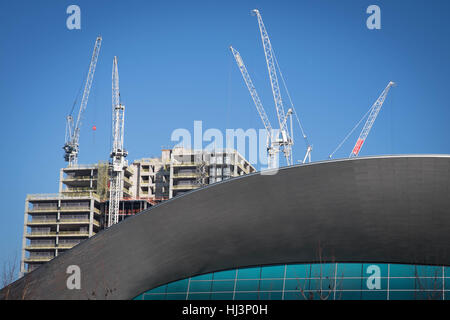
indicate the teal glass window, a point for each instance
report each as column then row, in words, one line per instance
column 271, row 285
column 296, row 271
column 341, row 281
column 349, row 284
column 200, row 286
column 247, row 285
column 272, row 272
column 155, row 296
column 178, row 286
column 326, row 270
column 249, row 273
column 199, row 296
column 228, row 274
column 349, row 270
column 176, row 296
column 402, row 270
column 270, row 296
column 161, row 289
column 295, row 284
column 223, row 285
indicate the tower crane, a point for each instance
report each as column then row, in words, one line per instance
column 71, row 146
column 118, row 152
column 285, row 141
column 271, row 148
column 372, row 115
column 285, row 138
column 370, row 121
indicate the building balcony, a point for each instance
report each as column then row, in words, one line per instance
column 63, row 209
column 79, row 221
column 40, row 222
column 74, row 233
column 41, row 234
column 82, row 193
column 127, row 182
column 129, row 170
column 79, row 181
column 78, row 189
column 81, row 167
column 43, row 196
column 67, row 245
column 38, row 259
column 126, row 193
column 79, row 209
column 46, row 246
column 43, row 209
column 185, row 175
column 80, row 178
column 148, row 179
column 185, row 187
column 66, row 194
column 185, row 164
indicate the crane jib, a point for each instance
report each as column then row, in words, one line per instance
column 358, row 146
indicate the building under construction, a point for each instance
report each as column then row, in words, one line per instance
column 55, row 223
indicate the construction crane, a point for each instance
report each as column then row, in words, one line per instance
column 284, row 141
column 371, row 115
column 71, row 146
column 370, row 121
column 118, row 152
column 271, row 147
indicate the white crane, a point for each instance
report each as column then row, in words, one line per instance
column 271, row 148
column 373, row 113
column 71, row 146
column 285, row 138
column 118, row 152
column 370, row 121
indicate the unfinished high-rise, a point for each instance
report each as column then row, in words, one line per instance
column 180, row 170
column 54, row 223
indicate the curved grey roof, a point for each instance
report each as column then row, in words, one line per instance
column 381, row 209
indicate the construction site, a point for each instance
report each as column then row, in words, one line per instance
column 94, row 197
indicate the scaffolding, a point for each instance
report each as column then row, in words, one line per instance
column 103, row 180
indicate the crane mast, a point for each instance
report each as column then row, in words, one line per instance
column 370, row 121
column 118, row 152
column 71, row 146
column 271, row 149
column 285, row 141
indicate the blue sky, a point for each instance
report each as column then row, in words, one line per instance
column 175, row 67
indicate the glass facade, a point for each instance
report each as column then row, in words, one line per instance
column 326, row 281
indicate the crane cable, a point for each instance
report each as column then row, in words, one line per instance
column 76, row 99
column 290, row 100
column 348, row 135
column 391, row 147
column 79, row 92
